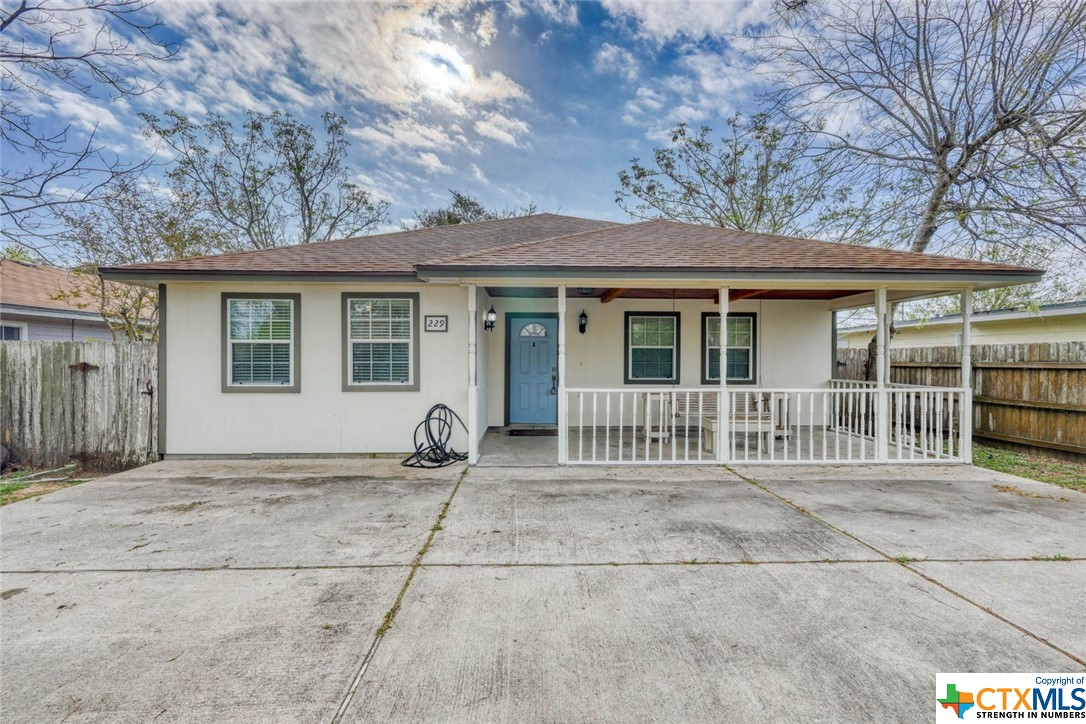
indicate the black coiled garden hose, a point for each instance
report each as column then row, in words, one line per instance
column 432, row 436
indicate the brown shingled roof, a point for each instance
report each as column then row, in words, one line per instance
column 564, row 243
column 672, row 246
column 380, row 254
column 35, row 285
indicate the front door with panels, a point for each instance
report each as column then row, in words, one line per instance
column 532, row 357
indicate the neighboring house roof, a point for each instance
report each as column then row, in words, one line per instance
column 548, row 242
column 32, row 288
column 1063, row 309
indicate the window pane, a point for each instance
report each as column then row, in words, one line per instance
column 381, row 362
column 714, row 364
column 260, row 363
column 739, row 332
column 12, row 334
column 380, row 319
column 652, row 364
column 738, row 364
column 712, row 331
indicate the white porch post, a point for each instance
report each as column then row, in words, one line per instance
column 473, row 375
column 723, row 445
column 563, row 422
column 967, row 376
column 882, row 396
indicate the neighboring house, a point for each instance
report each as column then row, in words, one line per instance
column 1064, row 322
column 30, row 309
column 607, row 334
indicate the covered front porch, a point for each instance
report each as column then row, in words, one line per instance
column 634, row 375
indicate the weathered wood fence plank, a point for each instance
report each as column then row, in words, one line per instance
column 1027, row 394
column 91, row 401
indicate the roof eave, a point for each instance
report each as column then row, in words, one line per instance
column 1001, row 276
column 163, row 276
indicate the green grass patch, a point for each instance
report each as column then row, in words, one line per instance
column 13, row 489
column 1065, row 473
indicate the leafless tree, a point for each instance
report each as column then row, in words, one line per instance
column 973, row 114
column 463, row 209
column 271, row 184
column 133, row 221
column 762, row 176
column 93, row 48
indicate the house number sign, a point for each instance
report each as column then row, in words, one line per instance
column 436, row 323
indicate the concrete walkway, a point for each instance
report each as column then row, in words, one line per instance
column 358, row 591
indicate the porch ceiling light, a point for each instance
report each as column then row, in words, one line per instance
column 491, row 319
column 582, row 322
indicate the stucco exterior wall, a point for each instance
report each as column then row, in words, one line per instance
column 793, row 342
column 1069, row 328
column 793, row 350
column 321, row 418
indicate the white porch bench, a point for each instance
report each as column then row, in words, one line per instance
column 753, row 417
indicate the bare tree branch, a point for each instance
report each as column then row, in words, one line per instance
column 93, row 48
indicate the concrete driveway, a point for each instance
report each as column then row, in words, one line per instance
column 357, row 591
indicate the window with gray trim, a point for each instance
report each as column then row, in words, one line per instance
column 739, row 343
column 380, row 340
column 260, row 342
column 652, row 347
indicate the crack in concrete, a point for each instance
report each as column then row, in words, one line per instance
column 416, row 564
column 882, row 560
column 907, row 566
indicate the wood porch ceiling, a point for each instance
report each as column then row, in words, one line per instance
column 607, row 295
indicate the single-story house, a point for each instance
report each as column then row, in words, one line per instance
column 1064, row 322
column 35, row 304
column 607, row 336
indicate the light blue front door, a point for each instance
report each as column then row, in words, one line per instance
column 533, row 370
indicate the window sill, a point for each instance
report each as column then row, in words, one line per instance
column 414, row 387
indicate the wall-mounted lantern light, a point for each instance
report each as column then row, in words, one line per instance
column 491, row 319
column 582, row 322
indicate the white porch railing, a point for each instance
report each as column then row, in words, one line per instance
column 830, row 425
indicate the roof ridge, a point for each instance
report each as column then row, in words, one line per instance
column 430, row 229
column 521, row 244
column 781, row 237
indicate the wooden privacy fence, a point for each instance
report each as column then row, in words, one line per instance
column 92, row 401
column 1025, row 394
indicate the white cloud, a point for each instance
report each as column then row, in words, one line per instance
column 478, row 174
column 559, row 11
column 486, row 26
column 501, row 128
column 409, row 132
column 695, row 19
column 614, row 59
column 389, row 54
column 431, row 163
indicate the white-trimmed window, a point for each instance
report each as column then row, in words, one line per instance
column 13, row 332
column 739, row 343
column 381, row 339
column 261, row 335
column 652, row 347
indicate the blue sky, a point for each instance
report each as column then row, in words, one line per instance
column 517, row 102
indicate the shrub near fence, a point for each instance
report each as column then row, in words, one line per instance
column 1025, row 394
column 95, row 402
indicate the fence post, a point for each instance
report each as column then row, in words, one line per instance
column 966, row 424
